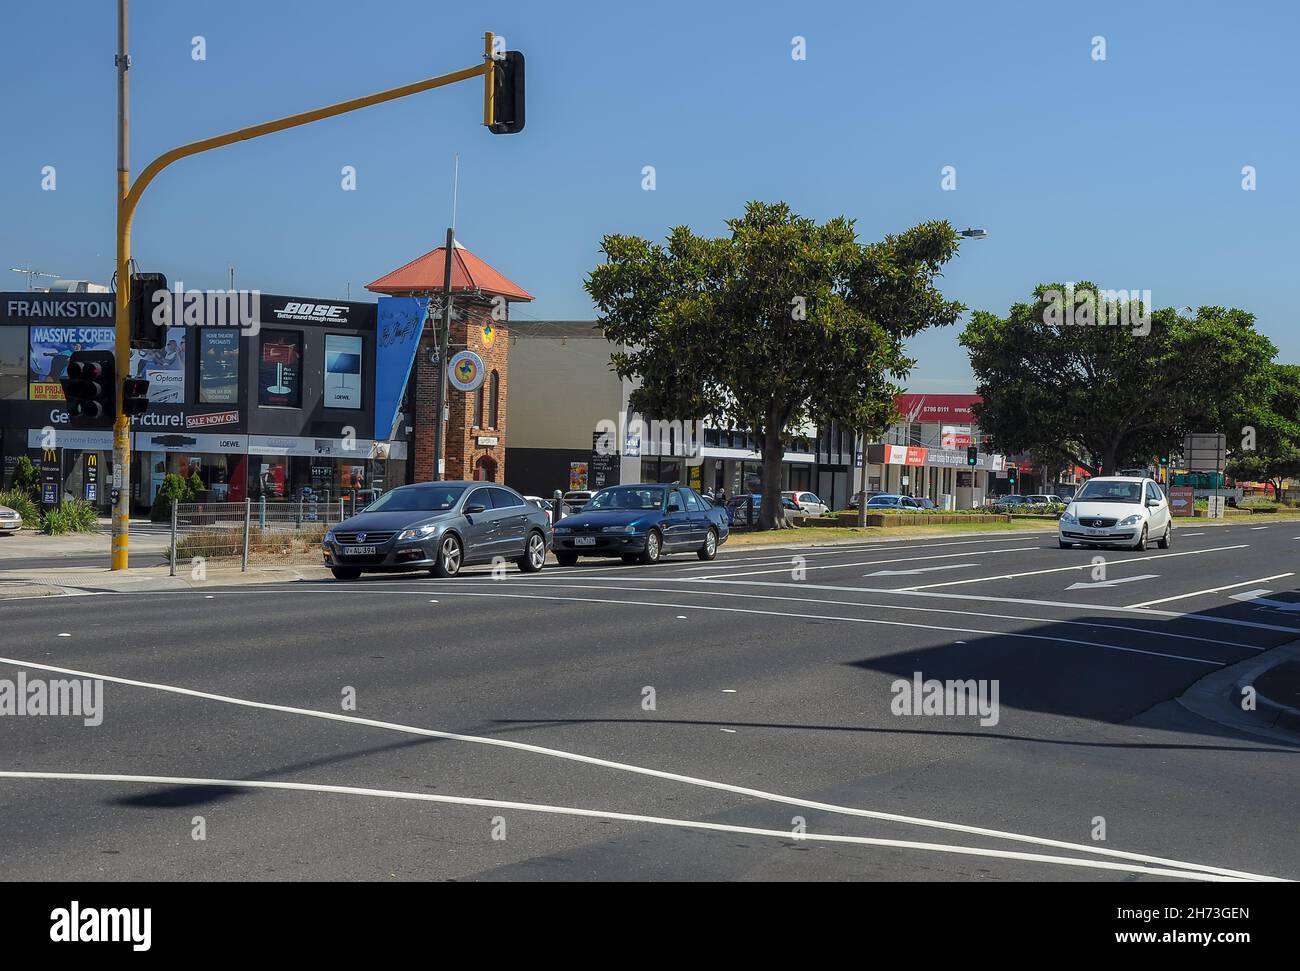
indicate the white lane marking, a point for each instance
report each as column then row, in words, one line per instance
column 901, row 559
column 1082, row 566
column 844, row 620
column 1188, row 535
column 1257, row 597
column 1190, row 871
column 1253, row 528
column 691, row 589
column 729, row 731
column 642, row 770
column 1114, row 582
column 65, row 635
column 1199, row 593
column 728, row 691
column 883, row 546
column 923, row 569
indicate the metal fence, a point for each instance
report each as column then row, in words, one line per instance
column 225, row 530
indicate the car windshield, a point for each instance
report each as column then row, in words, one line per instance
column 418, row 498
column 626, row 497
column 1113, row 491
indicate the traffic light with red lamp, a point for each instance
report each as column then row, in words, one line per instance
column 90, row 389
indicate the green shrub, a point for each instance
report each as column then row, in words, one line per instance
column 74, row 516
column 27, row 478
column 21, row 503
column 174, row 488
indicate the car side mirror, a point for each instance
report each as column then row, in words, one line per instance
column 475, row 507
column 1153, row 502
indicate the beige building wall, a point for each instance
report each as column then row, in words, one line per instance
column 561, row 384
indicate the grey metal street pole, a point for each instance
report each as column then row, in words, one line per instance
column 444, row 350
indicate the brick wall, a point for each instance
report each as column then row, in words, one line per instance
column 463, row 453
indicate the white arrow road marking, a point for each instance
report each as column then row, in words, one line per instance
column 1257, row 597
column 1193, row 871
column 1198, row 593
column 1081, row 566
column 1102, row 584
column 849, row 566
column 924, row 569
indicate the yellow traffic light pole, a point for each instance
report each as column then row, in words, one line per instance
column 129, row 197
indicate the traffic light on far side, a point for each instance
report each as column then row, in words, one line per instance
column 146, row 334
column 1011, row 474
column 508, row 94
column 1164, row 460
column 90, row 387
column 972, row 455
column 135, row 396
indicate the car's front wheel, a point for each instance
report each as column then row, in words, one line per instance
column 710, row 548
column 1065, row 545
column 450, row 554
column 1167, row 539
column 345, row 573
column 534, row 557
column 653, row 547
column 1142, row 541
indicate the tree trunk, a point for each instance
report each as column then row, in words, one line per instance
column 772, row 513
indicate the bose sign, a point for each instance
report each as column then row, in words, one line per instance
column 312, row 311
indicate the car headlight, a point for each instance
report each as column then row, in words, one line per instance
column 563, row 529
column 329, row 536
column 619, row 529
column 1068, row 517
column 1131, row 520
column 417, row 532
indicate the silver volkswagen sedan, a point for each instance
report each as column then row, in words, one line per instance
column 439, row 527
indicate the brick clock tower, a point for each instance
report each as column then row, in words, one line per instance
column 477, row 421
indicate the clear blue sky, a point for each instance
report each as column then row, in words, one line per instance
column 1126, row 172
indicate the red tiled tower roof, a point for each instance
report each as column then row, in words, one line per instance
column 469, row 274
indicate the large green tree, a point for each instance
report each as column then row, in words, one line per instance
column 781, row 322
column 1105, row 383
column 1267, row 449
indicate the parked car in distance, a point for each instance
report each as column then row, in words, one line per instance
column 576, row 499
column 1043, row 499
column 887, row 500
column 546, row 505
column 807, row 502
column 925, row 503
column 736, row 504
column 1117, row 511
column 642, row 523
column 10, row 521
column 853, row 499
column 439, row 527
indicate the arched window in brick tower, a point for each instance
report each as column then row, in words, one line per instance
column 485, row 469
column 494, row 398
column 478, row 407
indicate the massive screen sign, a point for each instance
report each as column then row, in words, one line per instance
column 48, row 351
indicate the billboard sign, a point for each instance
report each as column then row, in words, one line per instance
column 48, row 351
column 400, row 324
column 342, row 371
column 164, row 368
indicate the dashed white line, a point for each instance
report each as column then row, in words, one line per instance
column 1198, row 593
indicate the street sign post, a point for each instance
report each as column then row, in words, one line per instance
column 1208, row 452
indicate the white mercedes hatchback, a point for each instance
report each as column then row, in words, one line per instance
column 1117, row 511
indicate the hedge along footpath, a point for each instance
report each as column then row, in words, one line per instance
column 906, row 519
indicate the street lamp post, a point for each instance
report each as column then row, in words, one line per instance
column 128, row 197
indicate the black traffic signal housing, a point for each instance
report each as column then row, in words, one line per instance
column 1164, row 460
column 508, row 94
column 90, row 387
column 145, row 333
column 972, row 455
column 135, row 396
column 1011, row 473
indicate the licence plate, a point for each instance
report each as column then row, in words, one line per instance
column 1096, row 532
column 584, row 541
column 360, row 550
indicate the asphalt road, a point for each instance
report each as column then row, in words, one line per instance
column 739, row 719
